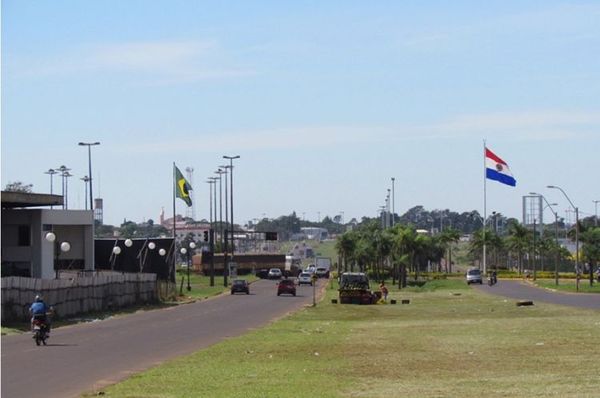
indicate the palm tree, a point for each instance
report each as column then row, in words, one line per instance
column 518, row 241
column 448, row 237
column 345, row 247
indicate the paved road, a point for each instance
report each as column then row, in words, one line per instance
column 88, row 356
column 524, row 291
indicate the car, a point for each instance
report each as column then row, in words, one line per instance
column 275, row 273
column 240, row 286
column 311, row 269
column 286, row 286
column 474, row 276
column 305, row 278
column 322, row 272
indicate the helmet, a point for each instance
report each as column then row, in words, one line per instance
column 38, row 298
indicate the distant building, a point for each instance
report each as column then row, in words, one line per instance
column 315, row 233
column 184, row 227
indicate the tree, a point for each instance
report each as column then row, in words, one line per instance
column 518, row 241
column 18, row 186
column 591, row 249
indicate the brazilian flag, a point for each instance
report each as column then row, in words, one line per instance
column 182, row 187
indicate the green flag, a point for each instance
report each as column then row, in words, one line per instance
column 182, row 187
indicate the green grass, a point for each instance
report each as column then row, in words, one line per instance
column 569, row 285
column 449, row 342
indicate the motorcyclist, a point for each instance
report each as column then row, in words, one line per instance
column 38, row 310
column 494, row 277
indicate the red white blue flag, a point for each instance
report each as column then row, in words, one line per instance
column 496, row 169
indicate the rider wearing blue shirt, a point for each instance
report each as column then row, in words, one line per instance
column 38, row 310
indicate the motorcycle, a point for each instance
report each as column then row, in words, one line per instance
column 40, row 331
column 492, row 280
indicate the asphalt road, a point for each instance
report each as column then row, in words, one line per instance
column 523, row 291
column 88, row 356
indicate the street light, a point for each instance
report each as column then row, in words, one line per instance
column 63, row 170
column 51, row 172
column 89, row 145
column 225, row 168
column 576, row 237
column 231, row 159
column 549, row 205
column 220, row 177
column 393, row 203
column 66, row 176
column 211, row 182
column 188, row 251
column 85, row 179
column 596, row 212
column 58, row 248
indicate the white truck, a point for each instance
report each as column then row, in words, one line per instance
column 323, row 267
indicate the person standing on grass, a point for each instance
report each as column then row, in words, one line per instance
column 384, row 290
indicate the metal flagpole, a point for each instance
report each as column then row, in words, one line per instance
column 174, row 223
column 484, row 211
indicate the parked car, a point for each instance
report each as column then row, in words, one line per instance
column 474, row 276
column 286, row 286
column 305, row 278
column 322, row 272
column 275, row 273
column 240, row 286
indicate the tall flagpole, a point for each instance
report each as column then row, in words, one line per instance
column 174, row 224
column 484, row 211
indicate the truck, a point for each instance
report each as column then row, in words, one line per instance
column 322, row 266
column 355, row 289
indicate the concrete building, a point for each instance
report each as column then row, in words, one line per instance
column 26, row 251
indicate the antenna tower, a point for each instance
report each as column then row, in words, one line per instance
column 191, row 211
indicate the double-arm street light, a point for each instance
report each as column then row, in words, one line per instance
column 576, row 236
column 51, row 172
column 231, row 159
column 90, row 145
column 188, row 251
column 549, row 205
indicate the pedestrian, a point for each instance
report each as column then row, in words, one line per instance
column 384, row 290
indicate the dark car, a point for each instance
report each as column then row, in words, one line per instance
column 286, row 286
column 240, row 286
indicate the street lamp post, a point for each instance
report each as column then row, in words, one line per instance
column 393, row 203
column 63, row 170
column 89, row 145
column 576, row 237
column 596, row 212
column 51, row 172
column 85, row 179
column 58, row 248
column 188, row 251
column 231, row 159
column 220, row 177
column 549, row 205
column 211, row 240
column 225, row 172
column 66, row 175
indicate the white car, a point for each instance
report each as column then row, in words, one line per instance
column 275, row 273
column 311, row 269
column 305, row 278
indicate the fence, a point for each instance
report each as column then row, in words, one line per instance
column 77, row 295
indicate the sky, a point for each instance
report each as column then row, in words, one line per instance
column 324, row 102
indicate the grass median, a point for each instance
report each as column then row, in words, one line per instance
column 450, row 341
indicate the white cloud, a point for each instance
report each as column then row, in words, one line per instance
column 512, row 126
column 157, row 62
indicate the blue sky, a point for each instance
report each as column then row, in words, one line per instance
column 323, row 101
